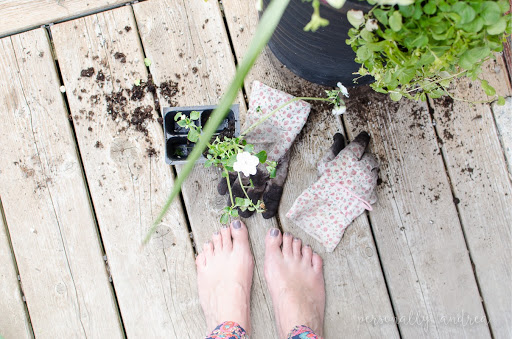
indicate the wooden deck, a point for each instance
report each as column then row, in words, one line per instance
column 80, row 185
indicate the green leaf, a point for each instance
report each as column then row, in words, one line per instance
column 418, row 40
column 239, row 201
column 366, row 35
column 147, row 62
column 262, row 156
column 407, row 11
column 395, row 21
column 474, row 26
column 472, row 56
column 272, row 173
column 488, row 89
column 405, row 75
column 395, row 96
column 182, row 123
column 381, row 16
column 355, row 17
column 498, row 27
column 234, row 213
column 466, row 12
column 137, row 82
column 249, row 148
column 194, row 115
column 193, row 135
column 490, row 12
column 178, row 116
column 224, row 219
column 504, row 6
column 501, row 101
column 363, row 53
column 430, row 8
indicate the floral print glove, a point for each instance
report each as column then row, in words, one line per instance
column 345, row 189
column 275, row 135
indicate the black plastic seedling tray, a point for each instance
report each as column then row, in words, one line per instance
column 177, row 146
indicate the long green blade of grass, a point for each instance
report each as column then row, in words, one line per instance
column 266, row 27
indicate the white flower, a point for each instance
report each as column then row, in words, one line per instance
column 371, row 25
column 246, row 163
column 339, row 110
column 355, row 17
column 336, row 3
column 343, row 89
column 259, row 5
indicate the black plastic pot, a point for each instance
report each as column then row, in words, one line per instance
column 177, row 146
column 321, row 57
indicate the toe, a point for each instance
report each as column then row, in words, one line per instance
column 273, row 242
column 227, row 241
column 307, row 254
column 317, row 262
column 217, row 241
column 200, row 260
column 297, row 248
column 240, row 234
column 208, row 249
column 287, row 244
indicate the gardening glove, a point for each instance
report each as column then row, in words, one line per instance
column 275, row 135
column 345, row 189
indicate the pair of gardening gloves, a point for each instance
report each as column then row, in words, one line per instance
column 347, row 179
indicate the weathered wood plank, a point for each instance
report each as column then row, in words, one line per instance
column 20, row 15
column 480, row 182
column 354, row 281
column 45, row 199
column 14, row 320
column 155, row 285
column 503, row 117
column 415, row 223
column 187, row 43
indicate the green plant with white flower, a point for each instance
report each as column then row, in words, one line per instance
column 233, row 155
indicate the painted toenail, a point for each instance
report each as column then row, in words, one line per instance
column 237, row 224
column 274, row 232
column 308, row 246
column 295, row 239
column 287, row 233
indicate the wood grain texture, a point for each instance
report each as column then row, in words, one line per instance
column 52, row 228
column 156, row 284
column 14, row 322
column 478, row 172
column 415, row 223
column 187, row 43
column 503, row 117
column 355, row 287
column 20, row 15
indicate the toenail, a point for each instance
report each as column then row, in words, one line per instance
column 274, row 232
column 224, row 226
column 237, row 224
column 308, row 245
column 287, row 233
column 295, row 239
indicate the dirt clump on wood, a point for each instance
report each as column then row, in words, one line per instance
column 120, row 56
column 88, row 72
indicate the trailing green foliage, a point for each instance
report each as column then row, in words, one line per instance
column 419, row 49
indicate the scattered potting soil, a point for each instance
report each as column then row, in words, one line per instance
column 127, row 28
column 117, row 102
column 120, row 56
column 100, row 76
column 88, row 72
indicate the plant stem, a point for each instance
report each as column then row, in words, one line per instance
column 242, row 185
column 266, row 27
column 267, row 116
column 229, row 187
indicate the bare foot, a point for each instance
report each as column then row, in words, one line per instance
column 224, row 277
column 296, row 283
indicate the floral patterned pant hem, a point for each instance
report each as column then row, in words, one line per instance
column 231, row 330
